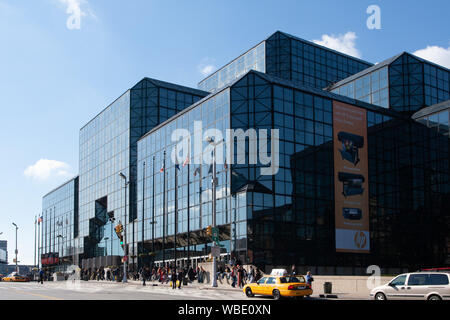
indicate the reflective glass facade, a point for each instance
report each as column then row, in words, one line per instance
column 371, row 88
column 436, row 117
column 404, row 83
column 278, row 220
column 254, row 59
column 289, row 218
column 157, row 187
column 108, row 146
column 60, row 221
column 3, row 251
column 290, row 58
column 306, row 63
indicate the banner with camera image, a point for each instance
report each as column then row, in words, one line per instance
column 351, row 172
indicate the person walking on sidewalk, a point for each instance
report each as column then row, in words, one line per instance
column 41, row 276
column 240, row 277
column 180, row 277
column 143, row 275
column 234, row 276
column 309, row 278
column 174, row 278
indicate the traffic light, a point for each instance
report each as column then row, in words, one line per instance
column 209, row 230
column 119, row 230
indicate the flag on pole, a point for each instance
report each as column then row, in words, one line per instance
column 41, row 218
column 197, row 171
column 177, row 166
column 162, row 169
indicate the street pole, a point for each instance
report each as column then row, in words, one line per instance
column 124, row 280
column 59, row 247
column 143, row 215
column 17, row 268
column 214, row 224
column 214, row 182
column 35, row 241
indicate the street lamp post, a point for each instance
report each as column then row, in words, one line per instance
column 106, row 245
column 60, row 248
column 125, row 251
column 210, row 140
column 15, row 225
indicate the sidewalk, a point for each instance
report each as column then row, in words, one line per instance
column 193, row 285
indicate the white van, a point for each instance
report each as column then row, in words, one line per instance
column 415, row 286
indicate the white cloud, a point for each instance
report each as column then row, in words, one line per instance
column 207, row 66
column 207, row 69
column 435, row 54
column 342, row 43
column 44, row 169
column 73, row 5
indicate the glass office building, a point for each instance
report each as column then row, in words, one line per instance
column 404, row 83
column 59, row 226
column 289, row 218
column 291, row 58
column 3, row 251
column 108, row 147
column 306, row 214
column 436, row 116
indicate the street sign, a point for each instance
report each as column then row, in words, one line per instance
column 215, row 235
column 215, row 252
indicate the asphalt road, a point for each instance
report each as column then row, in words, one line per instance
column 106, row 291
column 103, row 290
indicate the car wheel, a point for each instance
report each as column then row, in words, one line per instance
column 380, row 296
column 249, row 293
column 276, row 294
column 434, row 297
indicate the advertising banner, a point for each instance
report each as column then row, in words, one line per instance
column 351, row 186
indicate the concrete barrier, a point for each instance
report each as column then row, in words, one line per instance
column 345, row 284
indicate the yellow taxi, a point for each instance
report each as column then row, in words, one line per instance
column 279, row 286
column 14, row 277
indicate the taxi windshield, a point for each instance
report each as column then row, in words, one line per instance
column 291, row 279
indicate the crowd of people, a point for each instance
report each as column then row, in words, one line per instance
column 233, row 273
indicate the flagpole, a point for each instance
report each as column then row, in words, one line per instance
column 188, row 205
column 143, row 212
column 176, row 208
column 54, row 228
column 35, row 242
column 39, row 242
column 153, row 211
column 164, row 210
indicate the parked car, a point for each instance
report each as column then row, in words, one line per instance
column 14, row 277
column 279, row 286
column 415, row 286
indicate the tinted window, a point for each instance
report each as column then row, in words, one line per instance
column 271, row 281
column 418, row 280
column 292, row 279
column 438, row 279
column 399, row 281
column 262, row 280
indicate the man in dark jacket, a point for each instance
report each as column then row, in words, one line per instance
column 174, row 278
column 191, row 274
column 180, row 278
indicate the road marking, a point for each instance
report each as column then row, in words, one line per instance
column 38, row 295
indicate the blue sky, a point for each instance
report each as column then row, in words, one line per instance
column 54, row 79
